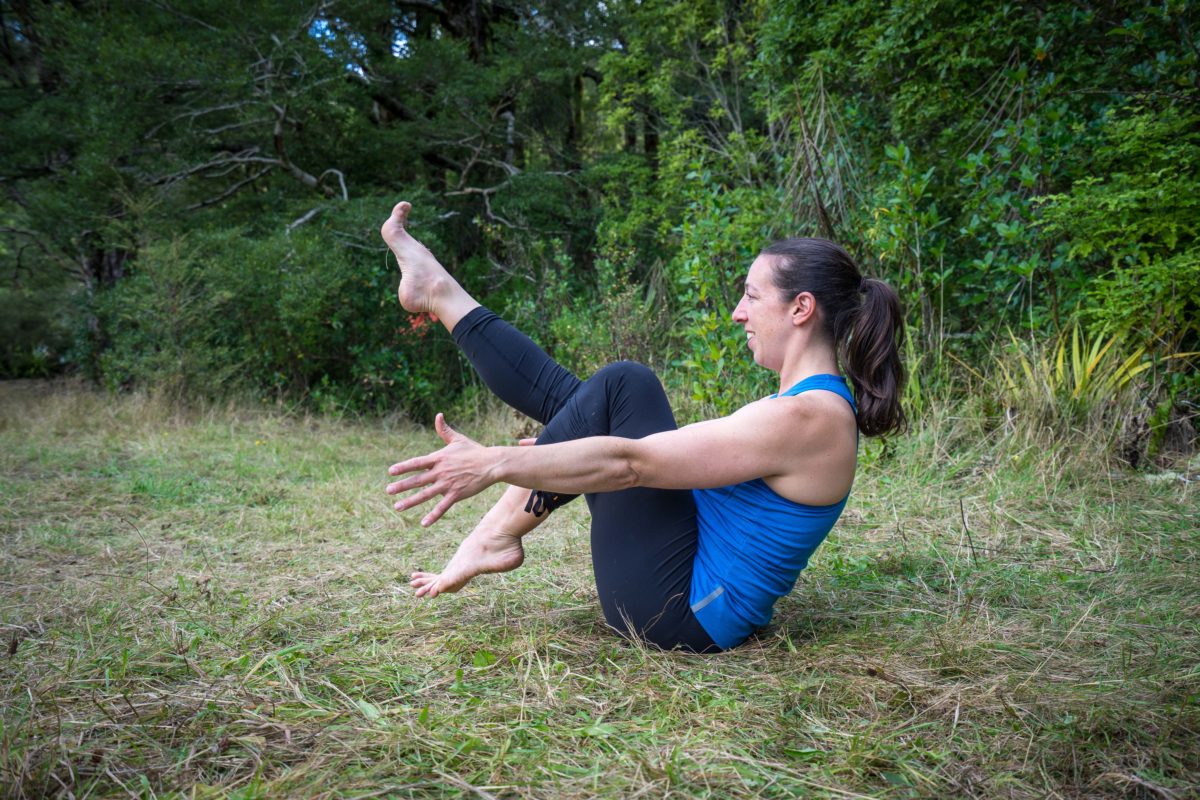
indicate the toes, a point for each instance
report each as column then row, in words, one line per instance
column 400, row 212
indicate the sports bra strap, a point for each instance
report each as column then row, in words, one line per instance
column 830, row 383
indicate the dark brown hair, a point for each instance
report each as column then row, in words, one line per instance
column 862, row 318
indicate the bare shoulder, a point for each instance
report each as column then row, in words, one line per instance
column 817, row 408
column 820, row 404
column 822, row 431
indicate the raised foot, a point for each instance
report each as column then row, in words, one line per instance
column 422, row 278
column 482, row 552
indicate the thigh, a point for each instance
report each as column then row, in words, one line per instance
column 515, row 369
column 643, row 549
column 643, row 540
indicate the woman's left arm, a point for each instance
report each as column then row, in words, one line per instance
column 761, row 440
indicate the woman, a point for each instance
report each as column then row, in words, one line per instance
column 696, row 532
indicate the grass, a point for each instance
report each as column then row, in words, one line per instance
column 215, row 604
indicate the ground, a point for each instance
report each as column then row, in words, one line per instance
column 215, row 603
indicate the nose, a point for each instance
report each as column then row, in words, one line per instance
column 739, row 312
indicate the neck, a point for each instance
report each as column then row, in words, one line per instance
column 806, row 363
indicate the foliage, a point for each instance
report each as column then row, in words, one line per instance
column 721, row 232
column 904, row 239
column 1006, row 166
column 1107, row 384
column 1073, row 376
column 1136, row 222
column 279, row 315
column 165, row 326
column 620, row 320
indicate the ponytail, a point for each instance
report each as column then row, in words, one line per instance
column 862, row 318
column 871, row 358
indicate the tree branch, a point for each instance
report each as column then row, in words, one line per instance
column 232, row 190
column 308, row 215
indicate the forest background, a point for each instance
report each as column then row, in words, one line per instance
column 190, row 198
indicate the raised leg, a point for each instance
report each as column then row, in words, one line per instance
column 516, row 370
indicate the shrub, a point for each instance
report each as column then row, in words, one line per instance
column 1136, row 220
column 280, row 315
column 722, row 233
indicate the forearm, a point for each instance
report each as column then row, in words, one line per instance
column 594, row 464
column 464, row 468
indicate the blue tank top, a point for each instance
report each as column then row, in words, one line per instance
column 753, row 544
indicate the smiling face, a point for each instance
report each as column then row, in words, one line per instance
column 765, row 316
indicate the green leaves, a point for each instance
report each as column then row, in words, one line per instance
column 1135, row 221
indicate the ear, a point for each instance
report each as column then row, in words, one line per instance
column 803, row 308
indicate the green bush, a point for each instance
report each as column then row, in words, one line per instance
column 1136, row 220
column 279, row 315
column 723, row 231
column 35, row 329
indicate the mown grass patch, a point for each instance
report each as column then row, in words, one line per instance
column 215, row 604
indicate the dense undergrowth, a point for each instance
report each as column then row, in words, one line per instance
column 191, row 199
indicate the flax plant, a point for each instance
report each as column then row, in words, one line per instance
column 1077, row 379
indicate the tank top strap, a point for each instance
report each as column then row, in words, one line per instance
column 830, row 383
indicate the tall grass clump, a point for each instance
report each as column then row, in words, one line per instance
column 1104, row 388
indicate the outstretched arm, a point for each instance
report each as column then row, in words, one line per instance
column 788, row 438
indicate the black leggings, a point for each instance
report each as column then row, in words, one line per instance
column 643, row 540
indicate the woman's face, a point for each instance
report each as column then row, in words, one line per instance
column 764, row 316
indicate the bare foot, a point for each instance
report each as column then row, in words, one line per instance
column 422, row 278
column 480, row 553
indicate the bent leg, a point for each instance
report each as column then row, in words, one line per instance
column 643, row 540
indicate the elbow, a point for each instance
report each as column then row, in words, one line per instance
column 628, row 476
column 633, row 469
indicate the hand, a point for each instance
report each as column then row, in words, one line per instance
column 457, row 471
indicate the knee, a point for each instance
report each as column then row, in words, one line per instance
column 629, row 374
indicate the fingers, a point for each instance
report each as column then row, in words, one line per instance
column 441, row 508
column 426, row 494
column 443, row 429
column 412, row 465
column 417, row 499
column 530, row 442
column 424, row 479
